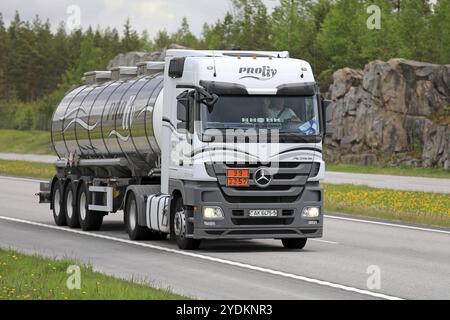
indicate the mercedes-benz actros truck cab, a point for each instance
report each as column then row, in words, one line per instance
column 205, row 145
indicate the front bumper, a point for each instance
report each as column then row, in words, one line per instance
column 237, row 224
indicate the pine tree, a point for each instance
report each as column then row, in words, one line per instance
column 3, row 60
column 293, row 28
column 439, row 36
column 411, row 30
column 340, row 37
column 89, row 59
column 162, row 39
column 379, row 43
column 219, row 35
column 184, row 36
column 130, row 41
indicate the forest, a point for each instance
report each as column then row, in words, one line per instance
column 38, row 65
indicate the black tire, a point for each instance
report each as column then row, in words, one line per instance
column 130, row 219
column 294, row 243
column 57, row 204
column 69, row 206
column 89, row 220
column 178, row 231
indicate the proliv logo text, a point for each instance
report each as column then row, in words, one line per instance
column 258, row 73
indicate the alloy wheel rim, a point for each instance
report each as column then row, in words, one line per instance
column 180, row 223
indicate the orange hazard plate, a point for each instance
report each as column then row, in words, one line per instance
column 240, row 182
column 238, row 177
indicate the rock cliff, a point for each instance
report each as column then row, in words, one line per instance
column 391, row 112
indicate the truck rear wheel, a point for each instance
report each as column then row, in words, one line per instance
column 58, row 212
column 89, row 220
column 179, row 227
column 294, row 243
column 68, row 206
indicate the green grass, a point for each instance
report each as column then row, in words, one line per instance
column 405, row 206
column 27, row 169
column 397, row 171
column 18, row 141
column 24, row 277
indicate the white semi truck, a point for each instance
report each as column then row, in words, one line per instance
column 205, row 145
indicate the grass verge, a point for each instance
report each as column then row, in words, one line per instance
column 405, row 206
column 27, row 169
column 24, row 277
column 397, row 171
column 18, row 141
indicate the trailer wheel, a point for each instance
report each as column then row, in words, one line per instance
column 58, row 212
column 179, row 226
column 294, row 243
column 89, row 220
column 68, row 206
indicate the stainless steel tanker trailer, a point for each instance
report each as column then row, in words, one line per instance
column 205, row 145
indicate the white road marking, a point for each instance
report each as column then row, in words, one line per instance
column 387, row 224
column 213, row 259
column 321, row 240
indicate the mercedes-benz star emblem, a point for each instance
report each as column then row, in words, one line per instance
column 262, row 177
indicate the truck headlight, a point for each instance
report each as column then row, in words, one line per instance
column 311, row 212
column 212, row 213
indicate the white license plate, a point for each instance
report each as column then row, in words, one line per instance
column 263, row 213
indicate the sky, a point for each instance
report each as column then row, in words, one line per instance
column 150, row 15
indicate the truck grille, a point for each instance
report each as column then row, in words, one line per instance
column 288, row 181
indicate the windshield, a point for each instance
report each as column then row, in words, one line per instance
column 289, row 114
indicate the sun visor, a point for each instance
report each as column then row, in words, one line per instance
column 224, row 88
column 297, row 89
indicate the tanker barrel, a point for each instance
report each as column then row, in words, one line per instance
column 123, row 73
column 107, row 119
column 94, row 77
column 150, row 67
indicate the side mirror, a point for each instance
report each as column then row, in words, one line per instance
column 206, row 97
column 183, row 110
column 210, row 101
column 327, row 114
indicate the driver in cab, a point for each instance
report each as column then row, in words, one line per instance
column 276, row 109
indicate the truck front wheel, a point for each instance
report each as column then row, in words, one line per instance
column 179, row 226
column 294, row 243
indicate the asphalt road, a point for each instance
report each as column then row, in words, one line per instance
column 423, row 184
column 413, row 262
